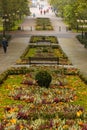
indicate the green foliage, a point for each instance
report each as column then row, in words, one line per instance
column 70, row 10
column 14, row 11
column 82, row 40
column 30, row 53
column 43, row 78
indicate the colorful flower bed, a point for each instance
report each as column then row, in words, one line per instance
column 45, row 51
column 51, row 39
column 43, row 24
column 26, row 105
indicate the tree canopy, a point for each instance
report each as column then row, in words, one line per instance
column 13, row 9
column 71, row 10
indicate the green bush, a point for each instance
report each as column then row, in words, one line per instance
column 82, row 40
column 43, row 78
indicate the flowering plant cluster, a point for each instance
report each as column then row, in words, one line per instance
column 41, row 108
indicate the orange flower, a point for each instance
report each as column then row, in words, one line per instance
column 80, row 123
column 75, row 97
column 11, row 110
column 21, row 127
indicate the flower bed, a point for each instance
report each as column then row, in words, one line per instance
column 42, row 47
column 26, row 105
column 42, row 52
column 36, row 39
column 43, row 24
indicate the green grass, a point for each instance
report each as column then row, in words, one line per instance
column 31, row 52
column 6, row 88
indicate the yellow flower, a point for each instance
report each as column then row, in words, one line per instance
column 13, row 121
column 65, row 127
column 79, row 113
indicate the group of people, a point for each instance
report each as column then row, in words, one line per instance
column 4, row 44
column 44, row 11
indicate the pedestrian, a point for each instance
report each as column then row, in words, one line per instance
column 31, row 28
column 44, row 12
column 4, row 44
column 33, row 14
column 40, row 11
column 59, row 28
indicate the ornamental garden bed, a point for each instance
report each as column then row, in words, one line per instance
column 43, row 24
column 24, row 104
column 48, row 54
column 44, row 50
column 48, row 39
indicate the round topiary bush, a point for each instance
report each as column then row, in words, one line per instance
column 43, row 78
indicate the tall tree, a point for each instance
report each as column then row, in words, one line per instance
column 12, row 9
column 71, row 10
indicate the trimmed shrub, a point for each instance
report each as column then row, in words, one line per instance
column 43, row 78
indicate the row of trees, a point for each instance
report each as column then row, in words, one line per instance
column 12, row 11
column 71, row 10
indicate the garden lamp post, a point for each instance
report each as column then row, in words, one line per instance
column 78, row 21
column 5, row 20
column 76, row 14
column 82, row 22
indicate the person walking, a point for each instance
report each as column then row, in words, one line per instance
column 40, row 11
column 34, row 15
column 4, row 44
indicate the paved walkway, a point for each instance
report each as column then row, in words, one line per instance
column 71, row 46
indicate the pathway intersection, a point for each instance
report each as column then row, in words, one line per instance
column 20, row 40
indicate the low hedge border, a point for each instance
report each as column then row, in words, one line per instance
column 24, row 70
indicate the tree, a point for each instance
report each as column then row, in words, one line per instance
column 13, row 10
column 71, row 10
